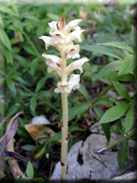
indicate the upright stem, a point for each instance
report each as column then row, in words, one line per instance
column 64, row 136
column 64, row 125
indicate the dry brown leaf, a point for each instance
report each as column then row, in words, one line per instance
column 36, row 131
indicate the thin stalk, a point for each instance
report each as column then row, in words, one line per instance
column 64, row 126
column 64, row 144
column 105, row 91
column 128, row 136
column 76, row 121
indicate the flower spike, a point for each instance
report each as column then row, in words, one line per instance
column 62, row 39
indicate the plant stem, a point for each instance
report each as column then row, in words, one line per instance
column 105, row 91
column 64, row 127
column 64, row 144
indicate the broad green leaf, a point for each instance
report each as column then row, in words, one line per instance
column 30, row 50
column 134, row 33
column 15, row 8
column 70, row 142
column 28, row 16
column 33, row 103
column 55, row 138
column 134, row 135
column 106, row 126
column 5, row 40
column 106, row 129
column 1, row 21
column 33, row 65
column 118, row 128
column 114, row 113
column 29, row 147
column 102, row 50
column 98, row 112
column 11, row 85
column 54, row 17
column 24, row 94
column 48, row 147
column 83, row 90
column 104, row 101
column 5, row 9
column 127, row 65
column 14, row 68
column 2, row 109
column 122, row 155
column 114, row 76
column 19, row 25
column 21, row 131
column 42, row 139
column 17, row 78
column 109, row 68
column 105, row 80
column 40, row 84
column 30, row 170
column 21, row 60
column 44, row 94
column 14, row 41
column 41, row 152
column 121, row 90
column 1, row 81
column 8, row 56
column 77, row 128
column 120, row 45
column 13, row 28
column 13, row 110
column 77, row 109
column 129, row 121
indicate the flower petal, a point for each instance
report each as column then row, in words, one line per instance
column 76, row 65
column 53, row 63
column 52, row 58
column 47, row 40
column 74, row 81
column 72, row 51
column 63, row 87
column 75, row 35
column 66, row 87
column 58, row 37
column 53, row 26
column 72, row 25
column 54, row 69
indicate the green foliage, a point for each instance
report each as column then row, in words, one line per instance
column 122, row 155
column 119, row 70
column 114, row 113
column 29, row 147
column 77, row 109
column 102, row 50
column 30, row 170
